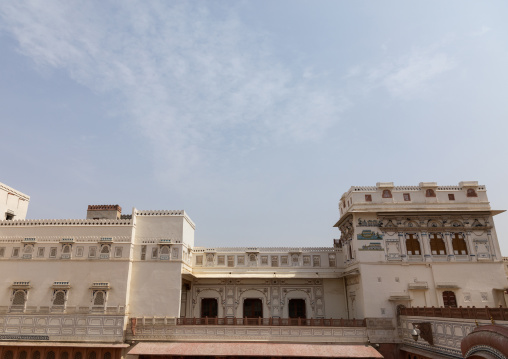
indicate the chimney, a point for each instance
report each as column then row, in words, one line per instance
column 104, row 211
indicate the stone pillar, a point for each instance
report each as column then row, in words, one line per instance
column 426, row 247
column 403, row 249
column 471, row 249
column 491, row 245
column 449, row 246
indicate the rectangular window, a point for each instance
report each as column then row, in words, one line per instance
column 407, row 197
column 2, row 252
column 40, row 252
column 118, row 252
column 264, row 260
column 284, row 260
column 143, row 252
column 221, row 260
column 155, row 252
column 368, row 198
column 15, row 252
column 231, row 261
column 79, row 251
column 92, row 252
column 451, row 196
column 240, row 260
column 306, row 260
column 316, row 261
column 275, row 261
column 331, row 260
column 199, row 260
column 52, row 252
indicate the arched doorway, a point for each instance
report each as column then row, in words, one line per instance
column 253, row 308
column 449, row 299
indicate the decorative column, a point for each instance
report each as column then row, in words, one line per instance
column 472, row 250
column 449, row 246
column 403, row 249
column 426, row 247
column 491, row 245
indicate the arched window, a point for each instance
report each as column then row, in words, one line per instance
column 430, row 193
column 36, row 355
column 165, row 250
column 105, row 249
column 459, row 244
column 8, row 354
column 412, row 245
column 66, row 249
column 78, row 355
column 92, row 355
column 107, row 355
column 19, row 298
column 59, row 298
column 471, row 193
column 22, row 354
column 50, row 355
column 28, row 249
column 437, row 245
column 387, row 193
column 449, row 299
column 64, row 355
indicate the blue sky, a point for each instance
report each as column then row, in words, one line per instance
column 253, row 116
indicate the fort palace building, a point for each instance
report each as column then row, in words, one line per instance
column 416, row 273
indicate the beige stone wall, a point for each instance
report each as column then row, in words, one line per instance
column 13, row 202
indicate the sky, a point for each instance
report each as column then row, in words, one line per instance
column 253, row 116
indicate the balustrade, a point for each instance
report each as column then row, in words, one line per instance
column 318, row 322
column 460, row 312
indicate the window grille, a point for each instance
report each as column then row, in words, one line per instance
column 316, row 261
column 155, row 252
column 92, row 252
column 50, row 355
column 231, row 261
column 221, row 260
column 430, row 193
column 19, row 298
column 36, row 355
column 143, row 252
column 331, row 260
column 407, row 197
column 199, row 260
column 8, row 354
column 2, row 252
column 368, row 198
column 79, row 251
column 15, row 252
column 264, row 260
column 40, row 252
column 59, row 299
column 387, row 193
column 99, row 298
column 284, row 260
column 78, row 355
column 165, row 250
column 240, row 260
column 52, row 252
column 107, row 355
column 22, row 355
column 66, row 248
column 92, row 355
column 118, row 252
column 306, row 260
column 28, row 249
column 105, row 249
column 275, row 261
column 64, row 355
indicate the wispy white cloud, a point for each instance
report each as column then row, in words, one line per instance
column 195, row 80
column 407, row 76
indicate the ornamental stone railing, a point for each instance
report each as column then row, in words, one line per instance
column 460, row 312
